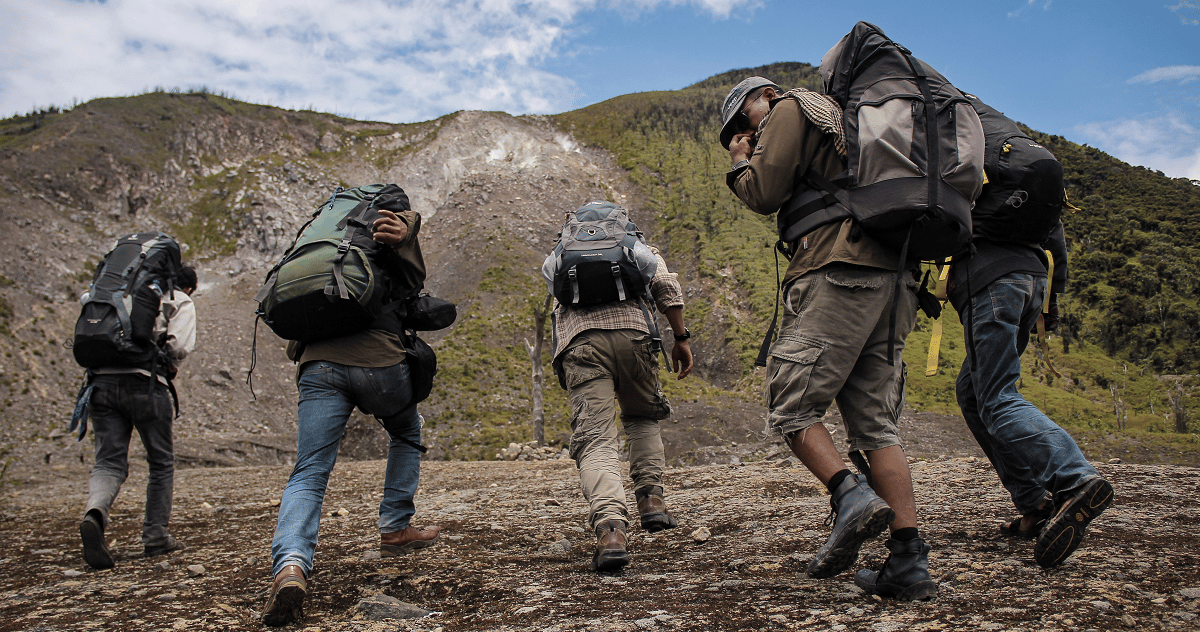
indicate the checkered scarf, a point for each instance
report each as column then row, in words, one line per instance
column 823, row 112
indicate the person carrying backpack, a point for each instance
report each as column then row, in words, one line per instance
column 1000, row 291
column 606, row 353
column 122, row 396
column 368, row 369
column 834, row 342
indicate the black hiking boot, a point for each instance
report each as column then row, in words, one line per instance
column 1063, row 533
column 860, row 516
column 905, row 574
column 95, row 548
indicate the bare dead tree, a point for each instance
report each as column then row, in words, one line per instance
column 539, row 376
column 1178, row 410
column 1119, row 399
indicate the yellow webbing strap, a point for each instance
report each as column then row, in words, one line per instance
column 1041, row 321
column 935, row 341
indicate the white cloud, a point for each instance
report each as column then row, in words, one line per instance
column 1166, row 143
column 393, row 60
column 1187, row 18
column 1182, row 74
column 1045, row 5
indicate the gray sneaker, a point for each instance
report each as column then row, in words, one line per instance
column 860, row 516
column 162, row 549
column 95, row 549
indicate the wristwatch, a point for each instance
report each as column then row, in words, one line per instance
column 684, row 336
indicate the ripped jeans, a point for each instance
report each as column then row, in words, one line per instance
column 832, row 345
column 603, row 367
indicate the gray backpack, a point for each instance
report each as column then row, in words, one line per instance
column 914, row 151
column 602, row 257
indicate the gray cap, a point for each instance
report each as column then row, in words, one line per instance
column 733, row 104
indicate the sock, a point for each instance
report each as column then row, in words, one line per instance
column 837, row 480
column 907, row 534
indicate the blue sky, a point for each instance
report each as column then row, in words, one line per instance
column 1123, row 76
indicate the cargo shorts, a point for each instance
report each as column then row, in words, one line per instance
column 833, row 345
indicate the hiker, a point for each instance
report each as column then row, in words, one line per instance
column 834, row 337
column 367, row 370
column 606, row 354
column 120, row 400
column 999, row 292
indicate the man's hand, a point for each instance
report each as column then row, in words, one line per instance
column 681, row 359
column 741, row 147
column 389, row 229
column 1051, row 315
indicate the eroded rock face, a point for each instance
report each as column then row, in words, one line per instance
column 509, row 560
column 236, row 189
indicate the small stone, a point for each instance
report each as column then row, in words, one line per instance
column 380, row 607
column 340, row 512
column 252, row 562
column 702, row 534
column 1190, row 593
column 165, row 597
column 371, row 555
column 274, row 502
column 205, row 505
column 646, row 624
column 1129, row 621
column 163, row 566
column 525, row 610
column 195, row 570
column 1114, row 461
column 72, row 573
column 550, row 502
column 1101, row 605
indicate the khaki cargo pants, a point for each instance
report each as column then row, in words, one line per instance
column 599, row 369
column 833, row 345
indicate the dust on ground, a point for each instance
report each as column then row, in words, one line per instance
column 497, row 567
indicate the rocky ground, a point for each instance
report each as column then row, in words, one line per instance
column 515, row 556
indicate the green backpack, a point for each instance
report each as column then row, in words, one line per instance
column 335, row 280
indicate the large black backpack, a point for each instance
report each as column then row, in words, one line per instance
column 115, row 328
column 335, row 280
column 1023, row 198
column 914, row 147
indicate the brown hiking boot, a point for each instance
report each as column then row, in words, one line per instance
column 286, row 602
column 407, row 540
column 610, row 546
column 653, row 509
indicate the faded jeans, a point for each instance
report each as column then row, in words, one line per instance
column 602, row 368
column 1032, row 454
column 121, row 403
column 329, row 392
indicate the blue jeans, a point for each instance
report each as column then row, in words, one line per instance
column 329, row 392
column 1032, row 454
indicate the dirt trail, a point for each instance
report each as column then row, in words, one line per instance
column 497, row 568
